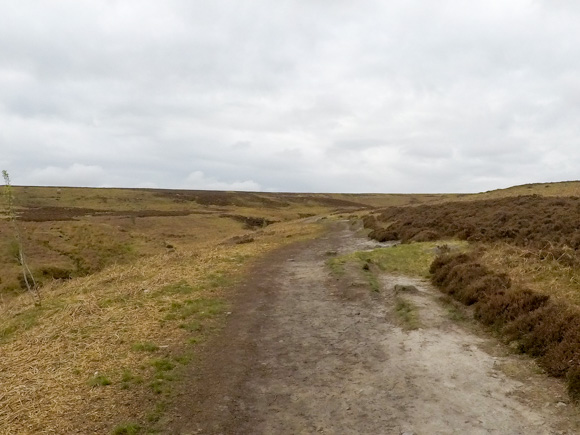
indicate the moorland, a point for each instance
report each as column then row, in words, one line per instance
column 134, row 284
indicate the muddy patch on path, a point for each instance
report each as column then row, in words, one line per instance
column 305, row 353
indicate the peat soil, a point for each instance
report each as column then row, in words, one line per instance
column 308, row 352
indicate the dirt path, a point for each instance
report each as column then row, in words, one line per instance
column 304, row 353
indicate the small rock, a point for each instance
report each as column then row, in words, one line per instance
column 561, row 405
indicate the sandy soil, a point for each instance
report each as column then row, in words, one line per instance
column 305, row 352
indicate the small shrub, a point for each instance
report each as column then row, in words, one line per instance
column 426, row 236
column 384, row 235
column 561, row 357
column 504, row 307
column 540, row 330
column 461, row 276
column 481, row 287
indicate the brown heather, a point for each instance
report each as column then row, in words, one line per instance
column 541, row 327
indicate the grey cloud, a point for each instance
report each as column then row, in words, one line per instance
column 321, row 96
column 359, row 144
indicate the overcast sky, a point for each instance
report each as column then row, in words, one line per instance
column 290, row 95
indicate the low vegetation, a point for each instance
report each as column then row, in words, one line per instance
column 75, row 232
column 411, row 259
column 132, row 287
column 112, row 345
column 547, row 225
column 135, row 280
column 538, row 325
column 407, row 313
column 521, row 276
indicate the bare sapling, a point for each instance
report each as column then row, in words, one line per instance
column 29, row 280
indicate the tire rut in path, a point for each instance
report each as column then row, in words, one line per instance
column 303, row 353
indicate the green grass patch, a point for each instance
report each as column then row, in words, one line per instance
column 128, row 379
column 110, row 302
column 157, row 386
column 218, row 280
column 183, row 359
column 192, row 341
column 193, row 326
column 155, row 415
column 25, row 320
column 411, row 259
column 145, row 347
column 372, row 279
column 238, row 259
column 163, row 368
column 407, row 313
column 337, row 265
column 178, row 288
column 162, row 365
column 21, row 322
column 127, row 376
column 201, row 308
column 99, row 381
column 127, row 429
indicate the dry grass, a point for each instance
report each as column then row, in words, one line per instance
column 526, row 268
column 78, row 364
column 83, row 230
column 103, row 350
column 564, row 188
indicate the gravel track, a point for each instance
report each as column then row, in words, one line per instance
column 305, row 352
